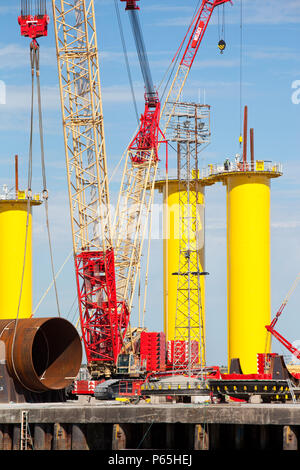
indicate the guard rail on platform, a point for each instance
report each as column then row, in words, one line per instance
column 229, row 167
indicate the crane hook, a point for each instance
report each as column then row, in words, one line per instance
column 222, row 45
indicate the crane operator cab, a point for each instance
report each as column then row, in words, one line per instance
column 128, row 364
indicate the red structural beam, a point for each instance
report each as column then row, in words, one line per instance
column 104, row 320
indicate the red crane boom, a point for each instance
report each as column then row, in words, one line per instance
column 278, row 336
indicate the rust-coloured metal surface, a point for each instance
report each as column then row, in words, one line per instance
column 41, row 353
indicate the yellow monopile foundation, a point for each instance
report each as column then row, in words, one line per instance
column 14, row 300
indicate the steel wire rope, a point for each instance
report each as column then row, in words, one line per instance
column 175, row 62
column 51, row 284
column 126, row 59
column 72, row 314
column 36, row 58
column 147, row 269
column 171, row 73
column 130, row 80
column 34, row 61
column 146, row 433
column 29, row 198
column 142, row 53
column 163, row 79
column 170, row 145
column 165, row 88
column 221, row 28
column 71, row 252
column 68, row 315
column 177, row 55
column 69, row 255
column 241, row 71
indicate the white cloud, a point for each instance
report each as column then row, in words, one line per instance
column 59, row 217
column 286, row 224
column 14, row 56
column 121, row 93
column 167, row 8
column 276, row 53
column 9, row 9
column 272, row 12
column 19, row 97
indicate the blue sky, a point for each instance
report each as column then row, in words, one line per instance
column 271, row 65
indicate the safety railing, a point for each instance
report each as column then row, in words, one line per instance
column 12, row 195
column 258, row 166
column 233, row 167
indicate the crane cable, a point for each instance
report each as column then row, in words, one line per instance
column 241, row 75
column 29, row 198
column 35, row 64
column 221, row 28
column 169, row 73
column 52, row 282
column 126, row 59
column 34, row 61
column 176, row 58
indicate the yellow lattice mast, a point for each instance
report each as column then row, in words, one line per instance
column 79, row 79
column 190, row 126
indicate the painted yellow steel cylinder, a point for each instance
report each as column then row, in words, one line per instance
column 14, row 300
column 249, row 276
column 173, row 234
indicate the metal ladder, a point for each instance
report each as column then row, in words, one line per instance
column 25, row 438
column 291, row 390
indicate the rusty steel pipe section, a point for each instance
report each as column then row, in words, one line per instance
column 42, row 354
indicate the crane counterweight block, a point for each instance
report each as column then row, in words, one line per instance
column 104, row 319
